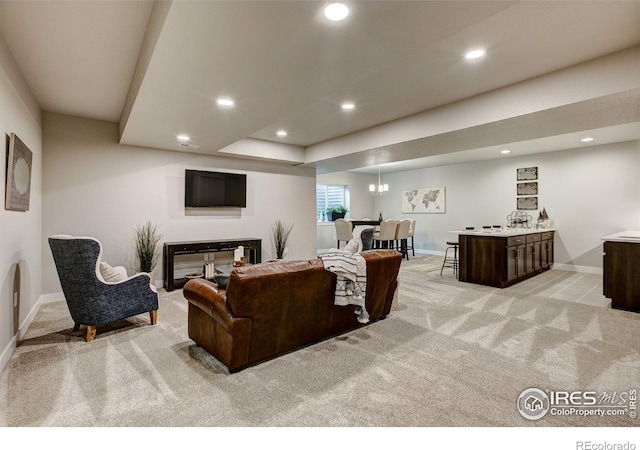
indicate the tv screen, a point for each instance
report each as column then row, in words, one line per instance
column 204, row 189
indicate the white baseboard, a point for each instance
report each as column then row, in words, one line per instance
column 50, row 298
column 580, row 269
column 420, row 251
column 8, row 351
column 557, row 266
column 24, row 326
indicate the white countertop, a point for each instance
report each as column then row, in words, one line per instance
column 503, row 232
column 624, row 236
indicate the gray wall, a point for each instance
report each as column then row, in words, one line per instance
column 94, row 186
column 20, row 242
column 588, row 193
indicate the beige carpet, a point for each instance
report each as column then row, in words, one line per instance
column 452, row 354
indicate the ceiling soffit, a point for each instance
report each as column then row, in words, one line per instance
column 606, row 111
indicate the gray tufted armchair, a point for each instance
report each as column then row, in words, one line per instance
column 92, row 300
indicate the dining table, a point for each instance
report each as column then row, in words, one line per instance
column 373, row 223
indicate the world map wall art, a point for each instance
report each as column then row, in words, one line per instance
column 424, row 201
column 18, row 175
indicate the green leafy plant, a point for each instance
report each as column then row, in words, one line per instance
column 280, row 233
column 147, row 240
column 338, row 209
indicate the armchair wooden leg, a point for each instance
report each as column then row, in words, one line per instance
column 76, row 326
column 91, row 333
column 153, row 316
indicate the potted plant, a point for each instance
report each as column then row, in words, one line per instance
column 336, row 213
column 280, row 233
column 147, row 241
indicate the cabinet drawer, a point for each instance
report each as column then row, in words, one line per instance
column 533, row 237
column 515, row 240
column 547, row 235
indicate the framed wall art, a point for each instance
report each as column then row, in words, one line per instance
column 528, row 203
column 424, row 200
column 528, row 188
column 528, row 173
column 19, row 160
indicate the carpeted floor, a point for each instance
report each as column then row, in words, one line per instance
column 452, row 354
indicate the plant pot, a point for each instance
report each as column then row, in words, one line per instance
column 332, row 217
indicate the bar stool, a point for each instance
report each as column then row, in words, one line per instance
column 448, row 261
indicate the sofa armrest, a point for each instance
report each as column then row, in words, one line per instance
column 213, row 326
column 206, row 296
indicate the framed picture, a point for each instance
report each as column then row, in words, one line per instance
column 424, row 201
column 528, row 203
column 528, row 188
column 19, row 159
column 528, row 173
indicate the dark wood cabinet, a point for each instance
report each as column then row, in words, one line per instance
column 516, row 262
column 534, row 261
column 501, row 261
column 546, row 249
column 621, row 274
column 252, row 249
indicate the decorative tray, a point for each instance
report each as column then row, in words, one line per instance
column 191, row 276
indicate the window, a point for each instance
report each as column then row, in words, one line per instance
column 330, row 196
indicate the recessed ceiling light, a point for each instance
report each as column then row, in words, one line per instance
column 475, row 54
column 224, row 101
column 505, row 151
column 281, row 133
column 587, row 139
column 336, row 11
column 183, row 137
column 348, row 106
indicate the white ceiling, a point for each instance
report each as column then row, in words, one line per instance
column 157, row 69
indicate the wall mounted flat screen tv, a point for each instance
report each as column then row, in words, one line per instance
column 205, row 189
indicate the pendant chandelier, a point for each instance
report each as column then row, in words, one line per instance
column 381, row 189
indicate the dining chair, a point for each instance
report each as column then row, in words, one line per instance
column 385, row 238
column 344, row 230
column 402, row 236
column 412, row 231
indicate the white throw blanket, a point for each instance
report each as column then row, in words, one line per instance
column 355, row 244
column 351, row 284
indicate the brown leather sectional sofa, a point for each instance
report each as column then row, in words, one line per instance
column 272, row 308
